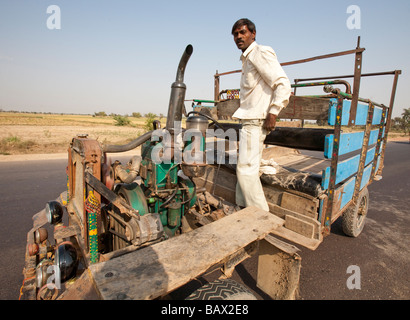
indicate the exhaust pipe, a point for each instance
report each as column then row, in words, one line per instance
column 178, row 88
column 176, row 104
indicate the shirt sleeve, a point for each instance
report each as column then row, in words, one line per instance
column 269, row 68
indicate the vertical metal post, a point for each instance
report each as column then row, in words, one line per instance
column 216, row 86
column 356, row 83
column 379, row 142
column 333, row 167
column 363, row 153
column 392, row 97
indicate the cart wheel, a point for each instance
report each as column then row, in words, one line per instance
column 354, row 217
column 226, row 289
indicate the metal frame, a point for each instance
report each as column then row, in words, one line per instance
column 352, row 95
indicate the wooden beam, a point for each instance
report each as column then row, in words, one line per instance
column 154, row 271
column 299, row 107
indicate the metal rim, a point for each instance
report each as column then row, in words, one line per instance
column 361, row 212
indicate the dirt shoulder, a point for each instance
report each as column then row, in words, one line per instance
column 28, row 142
column 55, row 156
column 62, row 153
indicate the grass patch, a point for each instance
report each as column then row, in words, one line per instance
column 12, row 144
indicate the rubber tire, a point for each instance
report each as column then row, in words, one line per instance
column 226, row 289
column 353, row 219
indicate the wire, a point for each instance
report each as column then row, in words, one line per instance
column 22, row 286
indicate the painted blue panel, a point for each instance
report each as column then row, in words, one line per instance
column 348, row 142
column 322, row 201
column 346, row 168
column 367, row 172
column 348, row 190
column 361, row 113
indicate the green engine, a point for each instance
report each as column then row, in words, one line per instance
column 166, row 190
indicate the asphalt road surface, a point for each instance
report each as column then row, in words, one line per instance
column 380, row 256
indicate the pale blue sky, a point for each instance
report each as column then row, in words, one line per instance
column 121, row 56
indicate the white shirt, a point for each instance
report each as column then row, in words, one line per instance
column 265, row 88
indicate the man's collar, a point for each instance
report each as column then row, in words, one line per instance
column 248, row 50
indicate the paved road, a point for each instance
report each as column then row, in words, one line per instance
column 382, row 252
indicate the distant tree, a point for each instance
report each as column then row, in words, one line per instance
column 136, row 115
column 100, row 114
column 122, row 120
column 149, row 121
column 150, row 115
column 406, row 120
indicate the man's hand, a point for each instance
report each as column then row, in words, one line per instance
column 270, row 122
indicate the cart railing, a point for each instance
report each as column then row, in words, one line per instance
column 356, row 157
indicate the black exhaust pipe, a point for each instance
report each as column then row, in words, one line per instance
column 175, row 109
column 178, row 88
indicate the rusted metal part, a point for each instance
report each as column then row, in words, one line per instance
column 90, row 153
column 216, row 86
column 356, row 51
column 363, row 153
column 356, row 84
column 28, row 288
column 389, row 115
column 323, row 83
column 349, row 96
column 379, row 142
column 349, row 76
column 333, row 167
column 326, row 56
column 116, row 200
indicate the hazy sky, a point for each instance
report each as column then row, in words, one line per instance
column 121, row 56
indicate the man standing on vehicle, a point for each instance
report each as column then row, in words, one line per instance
column 264, row 91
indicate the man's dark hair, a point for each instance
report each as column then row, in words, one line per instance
column 244, row 22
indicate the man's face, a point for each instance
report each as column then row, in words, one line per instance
column 243, row 37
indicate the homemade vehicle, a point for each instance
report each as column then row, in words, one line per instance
column 143, row 229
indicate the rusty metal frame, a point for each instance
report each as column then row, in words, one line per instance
column 388, row 121
column 358, row 52
column 363, row 152
column 333, row 166
column 328, row 208
column 379, row 142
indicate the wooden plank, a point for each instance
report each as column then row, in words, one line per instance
column 81, row 289
column 297, row 238
column 299, row 204
column 349, row 142
column 299, row 226
column 361, row 113
column 346, row 168
column 154, row 271
column 283, row 213
column 299, row 107
column 307, row 108
column 292, row 158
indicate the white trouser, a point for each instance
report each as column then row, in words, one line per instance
column 249, row 191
